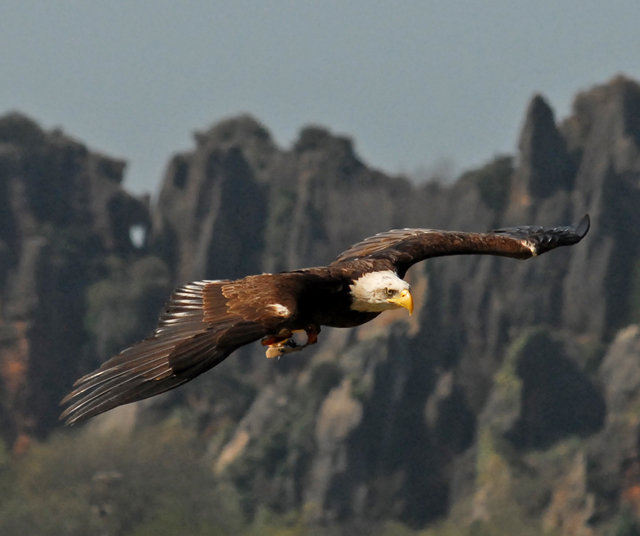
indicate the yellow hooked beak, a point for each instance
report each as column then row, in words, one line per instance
column 404, row 300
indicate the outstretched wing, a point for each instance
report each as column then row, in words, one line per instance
column 204, row 322
column 405, row 247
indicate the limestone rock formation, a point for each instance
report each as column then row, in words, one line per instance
column 509, row 397
column 62, row 211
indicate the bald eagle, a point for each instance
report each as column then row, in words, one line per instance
column 205, row 321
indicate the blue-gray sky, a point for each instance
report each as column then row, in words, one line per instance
column 412, row 82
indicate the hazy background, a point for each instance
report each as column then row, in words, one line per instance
column 415, row 83
column 507, row 404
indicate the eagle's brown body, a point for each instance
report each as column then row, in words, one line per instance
column 205, row 321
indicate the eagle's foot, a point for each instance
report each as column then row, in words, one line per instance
column 280, row 345
column 283, row 347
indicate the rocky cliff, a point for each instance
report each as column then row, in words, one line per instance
column 63, row 217
column 511, row 396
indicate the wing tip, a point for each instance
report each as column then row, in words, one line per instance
column 582, row 227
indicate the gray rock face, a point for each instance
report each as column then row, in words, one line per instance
column 603, row 134
column 212, row 207
column 62, row 208
column 545, row 164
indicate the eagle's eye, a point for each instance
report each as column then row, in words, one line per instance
column 390, row 292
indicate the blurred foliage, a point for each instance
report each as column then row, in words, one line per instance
column 88, row 483
column 626, row 524
column 509, row 522
column 285, row 447
column 151, row 483
column 124, row 306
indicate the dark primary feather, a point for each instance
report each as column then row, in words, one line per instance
column 547, row 239
column 405, row 247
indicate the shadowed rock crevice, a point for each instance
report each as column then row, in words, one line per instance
column 557, row 398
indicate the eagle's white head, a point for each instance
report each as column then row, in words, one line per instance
column 380, row 291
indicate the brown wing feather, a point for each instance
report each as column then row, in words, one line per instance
column 204, row 322
column 254, row 298
column 405, row 247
